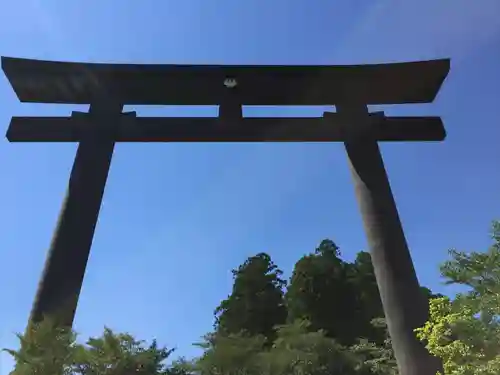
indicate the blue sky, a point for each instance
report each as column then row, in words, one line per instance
column 177, row 217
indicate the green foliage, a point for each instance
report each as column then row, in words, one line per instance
column 45, row 349
column 256, row 303
column 48, row 350
column 368, row 303
column 335, row 296
column 376, row 359
column 299, row 351
column 233, row 354
column 296, row 350
column 117, row 354
column 328, row 322
column 465, row 332
column 181, row 366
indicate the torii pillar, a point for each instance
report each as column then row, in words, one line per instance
column 58, row 297
column 404, row 306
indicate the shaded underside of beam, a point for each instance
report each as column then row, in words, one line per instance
column 84, row 83
column 165, row 129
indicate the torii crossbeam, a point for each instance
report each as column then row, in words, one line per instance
column 108, row 87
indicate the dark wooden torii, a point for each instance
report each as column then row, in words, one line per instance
column 108, row 87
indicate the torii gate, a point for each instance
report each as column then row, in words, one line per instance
column 108, row 87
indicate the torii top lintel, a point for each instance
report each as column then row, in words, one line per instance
column 83, row 83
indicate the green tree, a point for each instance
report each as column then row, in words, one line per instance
column 256, row 304
column 118, row 354
column 233, row 354
column 181, row 366
column 377, row 359
column 320, row 292
column 298, row 350
column 465, row 332
column 47, row 349
column 368, row 303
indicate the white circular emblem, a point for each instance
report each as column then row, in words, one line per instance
column 230, row 83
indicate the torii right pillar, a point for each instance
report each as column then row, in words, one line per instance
column 404, row 305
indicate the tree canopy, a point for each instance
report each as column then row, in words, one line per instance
column 465, row 331
column 333, row 295
column 47, row 349
column 256, row 304
column 328, row 319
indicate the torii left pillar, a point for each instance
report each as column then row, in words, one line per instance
column 64, row 270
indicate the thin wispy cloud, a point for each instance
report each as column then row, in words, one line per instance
column 411, row 30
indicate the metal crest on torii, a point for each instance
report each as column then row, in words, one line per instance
column 108, row 87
